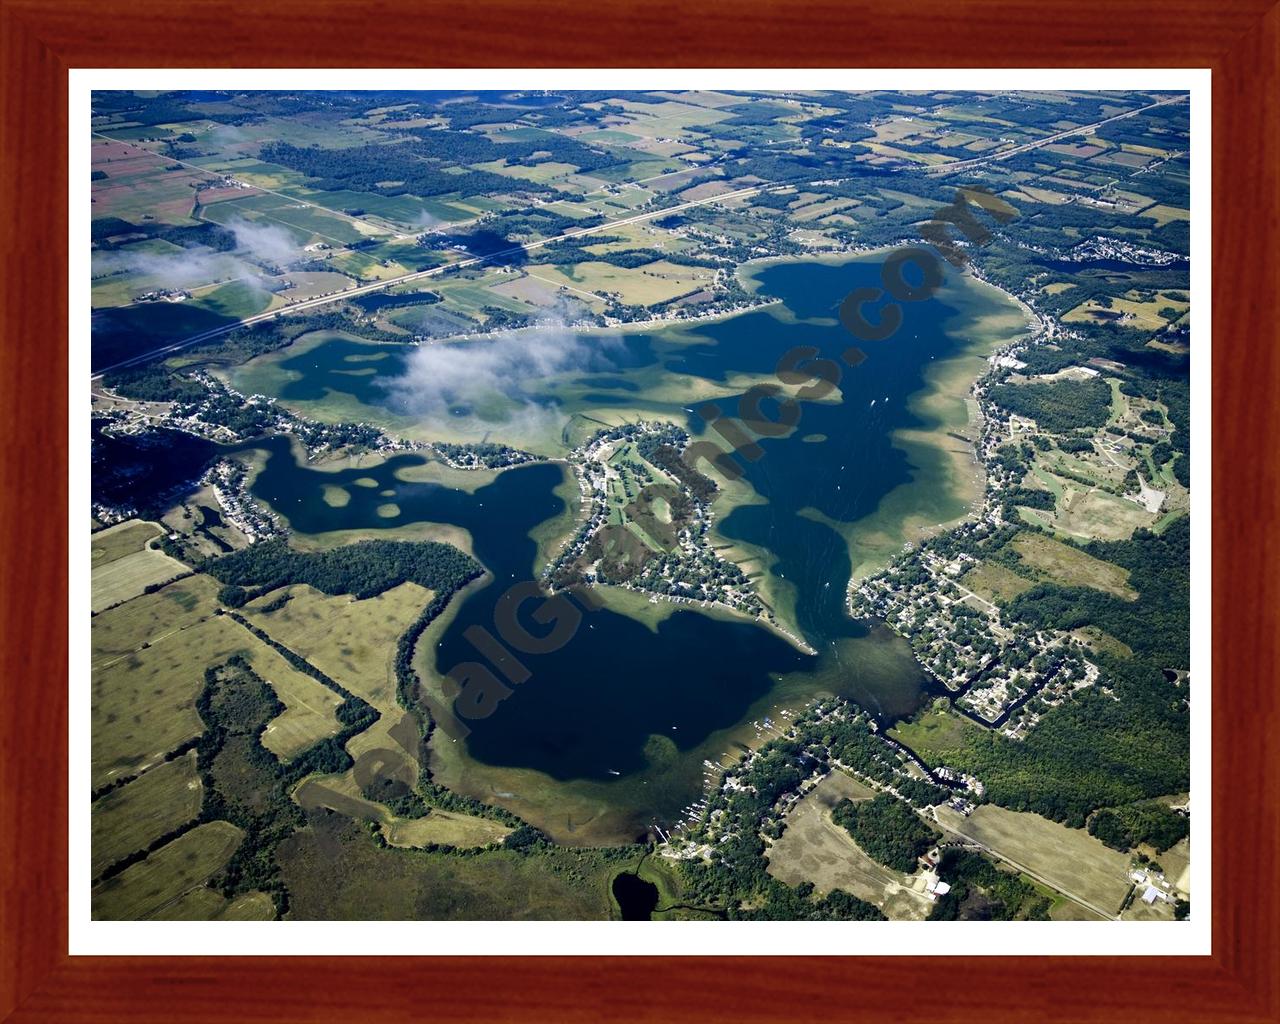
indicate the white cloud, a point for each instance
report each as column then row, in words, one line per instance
column 442, row 376
column 270, row 243
column 189, row 268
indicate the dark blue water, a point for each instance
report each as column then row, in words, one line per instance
column 591, row 705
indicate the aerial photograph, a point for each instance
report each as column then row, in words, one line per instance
column 670, row 505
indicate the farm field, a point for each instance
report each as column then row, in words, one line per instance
column 815, row 849
column 657, row 282
column 206, row 905
column 144, row 704
column 309, row 705
column 151, row 618
column 309, row 284
column 125, row 538
column 1176, row 862
column 124, row 578
column 1071, row 567
column 124, row 565
column 1067, row 858
column 147, row 889
column 351, row 641
column 135, row 815
column 149, row 656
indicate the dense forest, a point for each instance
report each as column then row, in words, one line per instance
column 392, row 171
column 364, row 569
column 1099, row 749
column 1060, row 406
column 980, row 891
column 887, row 830
column 1148, row 821
column 1157, row 626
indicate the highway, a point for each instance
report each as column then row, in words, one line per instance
column 420, row 275
column 1004, row 154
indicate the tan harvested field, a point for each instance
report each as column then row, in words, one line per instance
column 1072, row 567
column 353, row 642
column 643, row 286
column 815, row 849
column 1176, row 862
column 1069, row 859
column 1070, row 910
column 125, row 538
column 207, row 905
column 1098, row 515
column 148, row 888
column 994, row 582
column 338, row 793
column 134, row 816
column 113, row 582
column 341, row 793
column 445, row 828
column 394, row 730
column 309, row 284
column 309, row 705
column 143, row 704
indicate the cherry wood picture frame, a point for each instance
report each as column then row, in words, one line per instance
column 1238, row 39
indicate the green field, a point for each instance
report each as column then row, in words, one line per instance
column 207, row 905
column 149, row 656
column 123, row 565
column 150, row 617
column 445, row 828
column 937, row 734
column 657, row 282
column 143, row 704
column 993, row 582
column 309, row 705
column 351, row 641
column 122, row 539
column 1072, row 567
column 345, row 876
column 147, row 889
column 135, row 815
column 127, row 577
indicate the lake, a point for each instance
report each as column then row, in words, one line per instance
column 608, row 734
